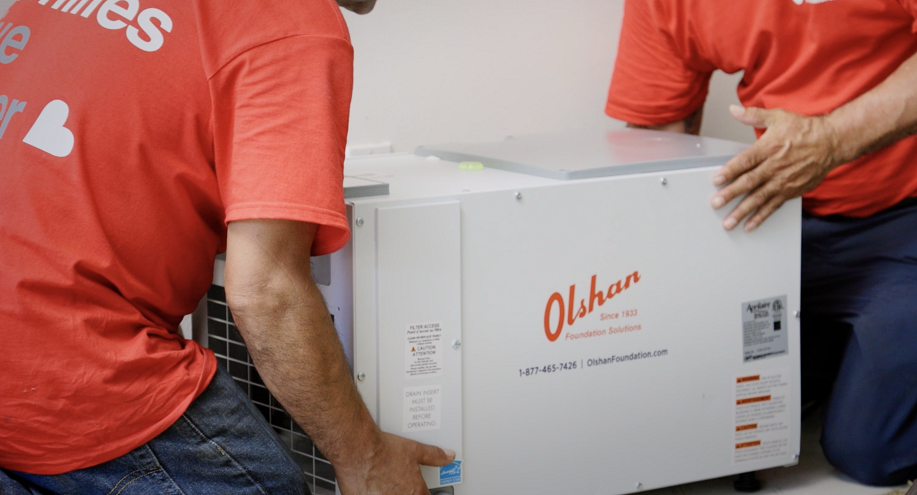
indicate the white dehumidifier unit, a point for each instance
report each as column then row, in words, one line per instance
column 564, row 312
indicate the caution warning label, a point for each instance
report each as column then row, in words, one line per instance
column 762, row 422
column 424, row 350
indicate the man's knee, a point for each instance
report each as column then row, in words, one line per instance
column 868, row 460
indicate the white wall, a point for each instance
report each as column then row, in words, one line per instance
column 717, row 120
column 4, row 6
column 433, row 71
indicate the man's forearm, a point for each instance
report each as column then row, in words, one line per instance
column 294, row 345
column 879, row 117
column 283, row 319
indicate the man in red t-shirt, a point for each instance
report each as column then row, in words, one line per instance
column 831, row 88
column 139, row 139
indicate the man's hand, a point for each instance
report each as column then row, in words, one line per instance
column 392, row 469
column 792, row 157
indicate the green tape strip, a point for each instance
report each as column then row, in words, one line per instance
column 471, row 166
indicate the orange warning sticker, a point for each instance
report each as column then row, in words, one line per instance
column 745, row 379
column 752, row 400
column 746, row 445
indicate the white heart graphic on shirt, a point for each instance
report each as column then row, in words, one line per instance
column 48, row 132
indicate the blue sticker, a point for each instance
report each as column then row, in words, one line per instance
column 451, row 474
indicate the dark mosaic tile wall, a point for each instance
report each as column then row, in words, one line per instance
column 226, row 343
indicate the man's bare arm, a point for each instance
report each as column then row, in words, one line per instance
column 689, row 125
column 289, row 333
column 796, row 152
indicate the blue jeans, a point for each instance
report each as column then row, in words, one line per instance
column 220, row 446
column 859, row 332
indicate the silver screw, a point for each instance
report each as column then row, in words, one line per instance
column 361, row 376
column 796, row 314
column 663, row 181
column 456, row 344
column 518, row 195
column 359, row 222
column 639, row 486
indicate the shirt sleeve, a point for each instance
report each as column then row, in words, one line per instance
column 280, row 116
column 658, row 76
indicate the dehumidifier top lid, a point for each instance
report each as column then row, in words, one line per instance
column 589, row 155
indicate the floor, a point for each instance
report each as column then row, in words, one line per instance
column 812, row 476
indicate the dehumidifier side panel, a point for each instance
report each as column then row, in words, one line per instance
column 418, row 256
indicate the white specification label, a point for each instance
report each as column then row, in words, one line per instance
column 422, row 408
column 762, row 423
column 764, row 328
column 424, row 351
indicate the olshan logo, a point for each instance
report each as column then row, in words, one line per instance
column 568, row 313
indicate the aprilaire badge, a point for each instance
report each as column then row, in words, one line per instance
column 764, row 328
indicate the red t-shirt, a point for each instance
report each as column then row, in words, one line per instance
column 132, row 132
column 805, row 56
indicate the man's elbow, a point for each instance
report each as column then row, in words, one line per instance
column 245, row 297
column 250, row 299
column 267, row 267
